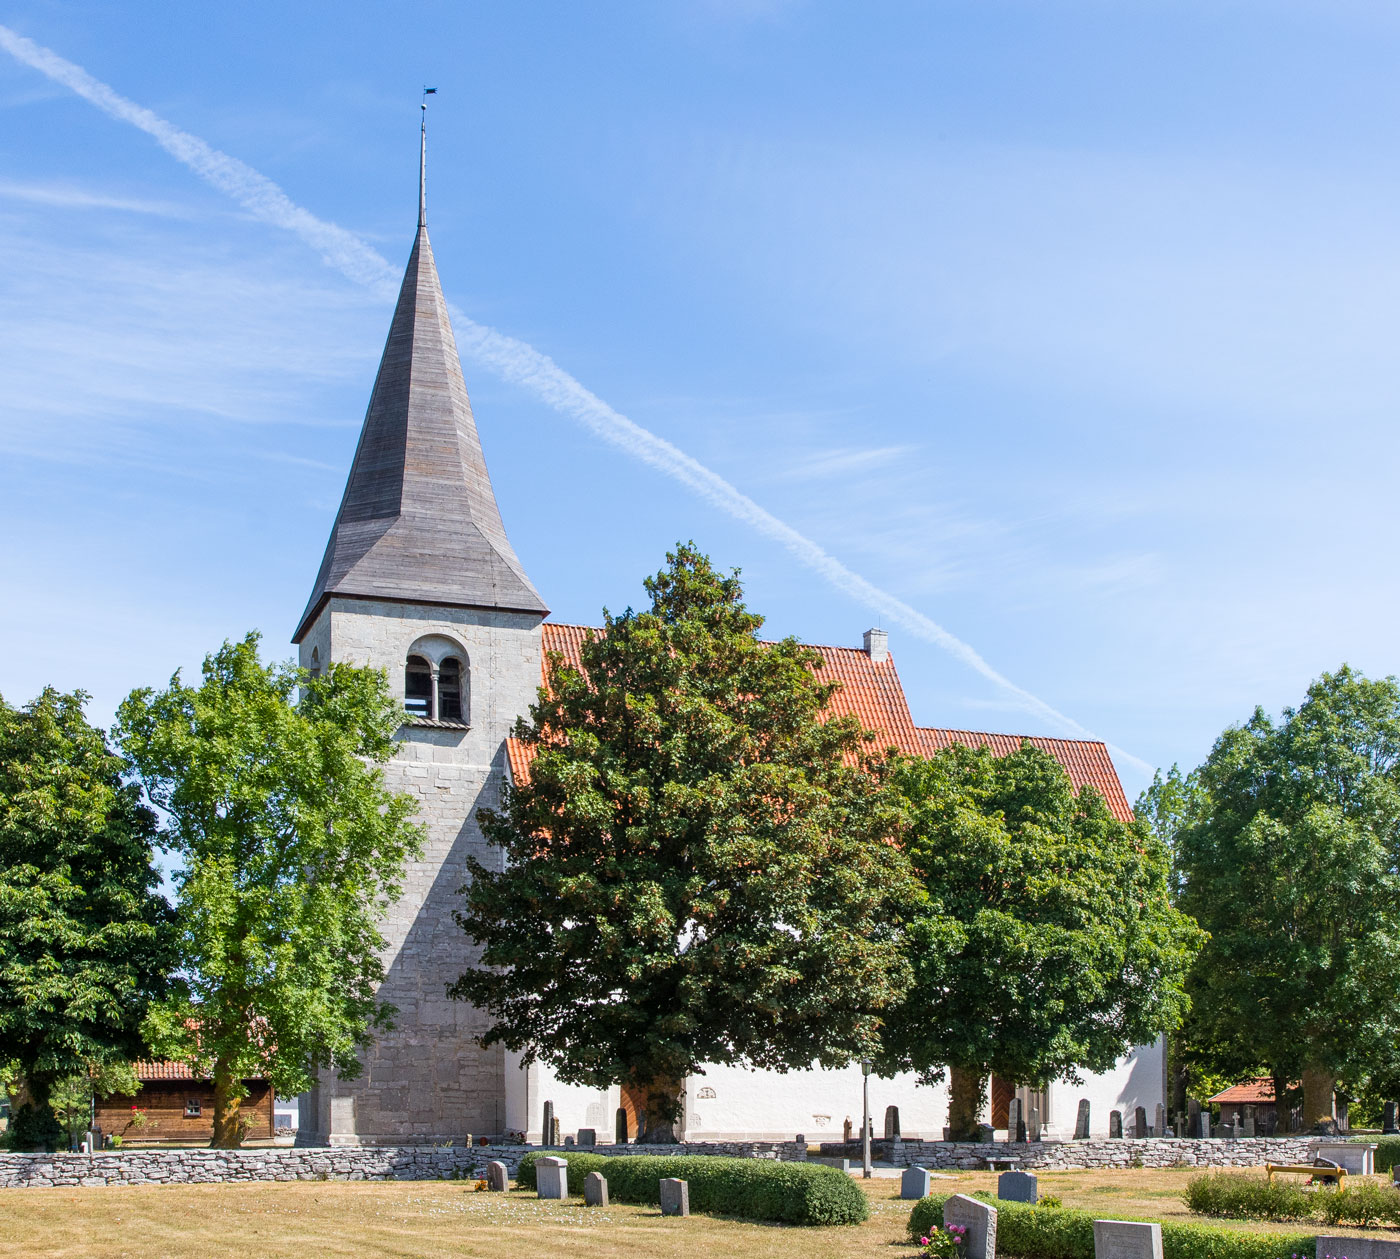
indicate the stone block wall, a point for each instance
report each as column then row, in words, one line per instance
column 1105, row 1152
column 197, row 1167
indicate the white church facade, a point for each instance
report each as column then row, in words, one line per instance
column 419, row 578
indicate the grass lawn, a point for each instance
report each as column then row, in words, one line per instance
column 421, row 1218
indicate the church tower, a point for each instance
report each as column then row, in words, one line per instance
column 420, row 579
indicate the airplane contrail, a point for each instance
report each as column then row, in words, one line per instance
column 521, row 364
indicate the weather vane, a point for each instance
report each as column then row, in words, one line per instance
column 423, row 159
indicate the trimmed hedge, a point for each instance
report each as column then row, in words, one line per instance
column 747, row 1188
column 1057, row 1233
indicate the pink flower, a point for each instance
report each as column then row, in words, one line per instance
column 923, row 1241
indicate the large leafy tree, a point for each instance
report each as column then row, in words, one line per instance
column 84, row 932
column 292, row 850
column 1048, row 943
column 1292, row 863
column 698, row 870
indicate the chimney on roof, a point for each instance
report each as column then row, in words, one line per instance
column 877, row 645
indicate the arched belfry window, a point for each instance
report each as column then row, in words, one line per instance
column 315, row 662
column 450, row 690
column 418, row 687
column 437, row 681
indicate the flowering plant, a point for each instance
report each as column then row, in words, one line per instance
column 950, row 1240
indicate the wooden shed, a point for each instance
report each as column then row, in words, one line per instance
column 174, row 1105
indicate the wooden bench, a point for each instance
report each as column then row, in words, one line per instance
column 1333, row 1174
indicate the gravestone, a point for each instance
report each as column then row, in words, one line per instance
column 1115, row 1124
column 620, row 1133
column 675, row 1197
column 554, row 1134
column 552, row 1177
column 985, row 1134
column 1343, row 1115
column 568, row 1141
column 1359, row 1248
column 1193, row 1119
column 891, row 1123
column 497, row 1177
column 547, row 1125
column 1081, row 1124
column 1140, row 1123
column 915, row 1183
column 1205, row 1125
column 1017, row 1187
column 1160, row 1127
column 1390, row 1126
column 1034, row 1126
column 980, row 1220
column 1125, row 1239
column 1013, row 1120
column 595, row 1190
column 847, row 1130
column 588, row 1137
column 1251, row 1121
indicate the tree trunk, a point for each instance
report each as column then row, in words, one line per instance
column 229, row 1125
column 34, row 1126
column 967, row 1087
column 663, row 1111
column 1319, row 1090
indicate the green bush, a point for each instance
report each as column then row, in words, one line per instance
column 1359, row 1205
column 748, row 1188
column 1067, row 1234
column 1228, row 1197
column 1387, row 1151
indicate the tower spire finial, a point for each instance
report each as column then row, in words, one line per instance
column 423, row 159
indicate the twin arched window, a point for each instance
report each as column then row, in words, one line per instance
column 435, row 685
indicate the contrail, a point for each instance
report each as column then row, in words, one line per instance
column 519, row 363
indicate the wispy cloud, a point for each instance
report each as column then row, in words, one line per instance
column 521, row 364
column 69, row 197
column 844, row 463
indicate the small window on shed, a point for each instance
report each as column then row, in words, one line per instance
column 450, row 690
column 418, row 687
column 193, row 1108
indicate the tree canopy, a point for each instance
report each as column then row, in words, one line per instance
column 292, row 850
column 1048, row 942
column 84, row 931
column 1291, row 860
column 698, row 869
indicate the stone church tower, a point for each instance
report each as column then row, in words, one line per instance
column 419, row 579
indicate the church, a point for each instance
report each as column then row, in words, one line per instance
column 419, row 579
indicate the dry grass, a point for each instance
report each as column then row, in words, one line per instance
column 447, row 1218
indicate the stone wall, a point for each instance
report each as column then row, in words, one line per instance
column 191, row 1167
column 1106, row 1152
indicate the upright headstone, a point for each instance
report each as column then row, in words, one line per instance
column 1358, row 1248
column 1140, row 1122
column 980, row 1220
column 915, row 1183
column 595, row 1190
column 1343, row 1115
column 547, row 1125
column 1205, row 1125
column 497, row 1177
column 846, row 1131
column 1033, row 1127
column 1124, row 1239
column 1390, row 1126
column 1115, row 1124
column 891, row 1123
column 1017, row 1187
column 1251, row 1121
column 1193, row 1118
column 620, row 1133
column 675, row 1197
column 588, row 1137
column 554, row 1138
column 1081, row 1124
column 552, row 1177
column 1160, row 1127
column 1013, row 1120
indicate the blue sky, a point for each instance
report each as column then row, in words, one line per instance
column 1071, row 325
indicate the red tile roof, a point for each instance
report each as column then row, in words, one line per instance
column 1250, row 1092
column 871, row 692
column 1087, row 762
column 165, row 1071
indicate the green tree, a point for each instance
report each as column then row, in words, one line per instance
column 1048, row 942
column 699, row 870
column 73, row 1096
column 84, row 932
column 1291, row 865
column 292, row 851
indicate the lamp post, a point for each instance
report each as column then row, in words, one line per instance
column 865, row 1065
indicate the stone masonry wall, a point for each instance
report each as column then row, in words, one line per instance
column 1106, row 1152
column 194, row 1167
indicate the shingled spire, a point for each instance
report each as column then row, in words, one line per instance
column 418, row 522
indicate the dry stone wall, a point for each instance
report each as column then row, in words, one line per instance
column 194, row 1167
column 1106, row 1152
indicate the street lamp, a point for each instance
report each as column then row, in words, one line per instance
column 865, row 1065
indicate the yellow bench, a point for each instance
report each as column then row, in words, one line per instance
column 1337, row 1175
